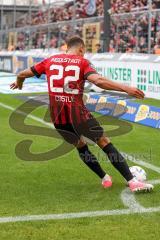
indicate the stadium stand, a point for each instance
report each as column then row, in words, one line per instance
column 60, row 13
column 56, row 14
column 128, row 34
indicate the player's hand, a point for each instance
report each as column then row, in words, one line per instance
column 135, row 92
column 16, row 85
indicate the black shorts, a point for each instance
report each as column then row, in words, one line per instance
column 90, row 129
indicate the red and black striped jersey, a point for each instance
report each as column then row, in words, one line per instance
column 66, row 76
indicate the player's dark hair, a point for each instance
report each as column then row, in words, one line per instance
column 75, row 42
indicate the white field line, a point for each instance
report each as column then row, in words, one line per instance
column 127, row 197
column 129, row 201
column 29, row 115
column 142, row 163
column 28, row 218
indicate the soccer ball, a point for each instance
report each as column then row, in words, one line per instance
column 139, row 173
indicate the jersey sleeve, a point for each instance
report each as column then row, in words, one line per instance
column 39, row 68
column 88, row 68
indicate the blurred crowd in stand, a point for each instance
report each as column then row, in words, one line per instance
column 54, row 14
column 129, row 32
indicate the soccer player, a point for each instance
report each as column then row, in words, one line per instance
column 66, row 75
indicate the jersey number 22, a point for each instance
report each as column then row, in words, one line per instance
column 59, row 76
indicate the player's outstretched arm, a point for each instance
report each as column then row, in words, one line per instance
column 107, row 84
column 18, row 84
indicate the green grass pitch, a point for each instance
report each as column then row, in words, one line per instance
column 65, row 185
